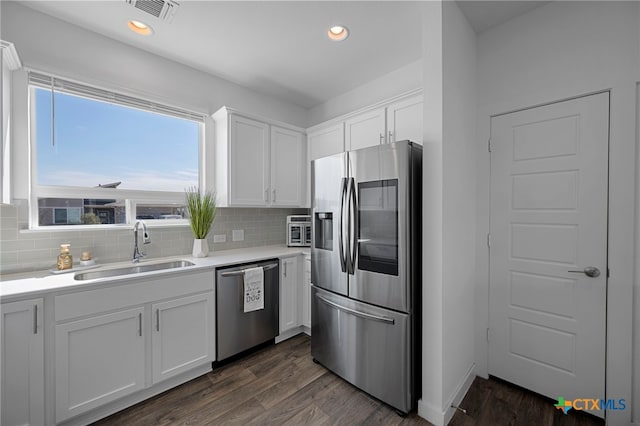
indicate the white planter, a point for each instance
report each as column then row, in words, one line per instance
column 200, row 248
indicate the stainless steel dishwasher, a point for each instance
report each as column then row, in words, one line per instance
column 236, row 330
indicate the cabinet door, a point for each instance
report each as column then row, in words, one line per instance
column 404, row 120
column 22, row 363
column 366, row 129
column 326, row 141
column 98, row 360
column 288, row 293
column 248, row 162
column 182, row 336
column 305, row 295
column 287, row 167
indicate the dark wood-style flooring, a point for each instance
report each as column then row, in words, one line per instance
column 281, row 385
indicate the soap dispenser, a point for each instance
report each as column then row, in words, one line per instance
column 65, row 260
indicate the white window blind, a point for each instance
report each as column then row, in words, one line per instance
column 73, row 88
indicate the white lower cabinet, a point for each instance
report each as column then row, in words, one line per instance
column 114, row 341
column 305, row 294
column 288, row 294
column 22, row 357
column 98, row 360
column 181, row 335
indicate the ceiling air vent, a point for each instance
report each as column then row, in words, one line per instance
column 163, row 9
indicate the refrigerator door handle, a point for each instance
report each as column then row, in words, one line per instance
column 341, row 242
column 355, row 312
column 353, row 227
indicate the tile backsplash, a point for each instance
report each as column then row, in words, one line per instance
column 22, row 250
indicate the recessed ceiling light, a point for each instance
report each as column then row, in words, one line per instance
column 338, row 33
column 139, row 27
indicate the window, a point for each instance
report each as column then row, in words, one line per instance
column 100, row 157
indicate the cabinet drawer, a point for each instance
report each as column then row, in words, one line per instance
column 132, row 293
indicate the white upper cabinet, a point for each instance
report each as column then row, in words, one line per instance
column 287, row 150
column 364, row 130
column 325, row 141
column 257, row 164
column 248, row 162
column 404, row 120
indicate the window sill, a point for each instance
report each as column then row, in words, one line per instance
column 128, row 227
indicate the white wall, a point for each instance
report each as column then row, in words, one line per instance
column 430, row 405
column 557, row 51
column 449, row 162
column 404, row 79
column 56, row 46
column 459, row 205
column 51, row 45
column 636, row 291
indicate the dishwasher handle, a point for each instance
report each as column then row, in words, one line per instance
column 241, row 271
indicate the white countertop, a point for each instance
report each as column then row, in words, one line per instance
column 29, row 284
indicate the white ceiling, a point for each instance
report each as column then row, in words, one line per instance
column 483, row 15
column 280, row 47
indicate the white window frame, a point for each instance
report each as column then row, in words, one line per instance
column 130, row 196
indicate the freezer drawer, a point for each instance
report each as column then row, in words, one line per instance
column 368, row 346
column 236, row 330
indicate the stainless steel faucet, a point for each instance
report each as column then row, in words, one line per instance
column 146, row 239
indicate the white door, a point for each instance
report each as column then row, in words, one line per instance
column 548, row 219
column 22, row 375
column 287, row 167
column 182, row 336
column 404, row 120
column 366, row 129
column 98, row 360
column 249, row 162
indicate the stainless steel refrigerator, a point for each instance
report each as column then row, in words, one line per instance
column 366, row 269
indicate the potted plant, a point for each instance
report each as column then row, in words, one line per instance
column 202, row 212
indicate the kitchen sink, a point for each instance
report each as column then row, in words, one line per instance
column 92, row 275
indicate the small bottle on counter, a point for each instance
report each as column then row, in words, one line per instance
column 65, row 260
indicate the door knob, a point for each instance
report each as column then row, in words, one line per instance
column 590, row 271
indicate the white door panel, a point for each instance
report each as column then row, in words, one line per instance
column 549, row 217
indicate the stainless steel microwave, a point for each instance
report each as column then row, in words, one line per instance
column 299, row 231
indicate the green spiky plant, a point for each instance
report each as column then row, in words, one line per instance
column 202, row 211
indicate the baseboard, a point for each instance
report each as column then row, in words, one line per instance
column 459, row 393
column 438, row 417
column 430, row 413
column 289, row 334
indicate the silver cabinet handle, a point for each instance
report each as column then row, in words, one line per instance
column 266, row 195
column 356, row 313
column 274, row 195
column 241, row 272
column 140, row 324
column 390, row 137
column 35, row 319
column 157, row 319
column 590, row 271
column 381, row 138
